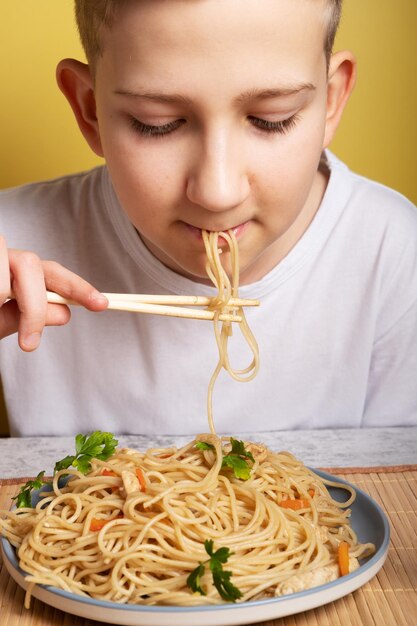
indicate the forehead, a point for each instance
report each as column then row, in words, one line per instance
column 170, row 40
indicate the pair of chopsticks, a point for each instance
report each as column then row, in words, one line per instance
column 163, row 305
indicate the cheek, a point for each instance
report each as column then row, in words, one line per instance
column 141, row 170
column 140, row 176
column 294, row 156
column 288, row 177
column 297, row 167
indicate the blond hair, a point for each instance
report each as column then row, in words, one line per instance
column 94, row 15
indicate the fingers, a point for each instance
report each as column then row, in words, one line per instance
column 28, row 277
column 56, row 315
column 8, row 317
column 4, row 271
column 71, row 286
column 29, row 291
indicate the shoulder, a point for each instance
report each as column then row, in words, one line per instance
column 376, row 209
column 377, row 226
column 48, row 211
column 377, row 196
column 62, row 190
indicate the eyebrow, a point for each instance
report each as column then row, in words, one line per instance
column 150, row 95
column 251, row 94
column 279, row 92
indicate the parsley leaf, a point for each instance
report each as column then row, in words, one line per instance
column 208, row 546
column 226, row 589
column 64, row 463
column 221, row 578
column 237, row 459
column 193, row 580
column 239, row 466
column 203, row 445
column 24, row 497
column 238, row 447
column 221, row 555
column 98, row 445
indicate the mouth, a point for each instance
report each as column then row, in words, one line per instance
column 238, row 231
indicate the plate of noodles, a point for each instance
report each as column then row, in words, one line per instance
column 183, row 536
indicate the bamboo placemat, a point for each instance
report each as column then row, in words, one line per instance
column 389, row 599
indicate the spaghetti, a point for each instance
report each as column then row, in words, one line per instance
column 226, row 288
column 113, row 537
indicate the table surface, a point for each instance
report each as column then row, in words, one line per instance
column 26, row 456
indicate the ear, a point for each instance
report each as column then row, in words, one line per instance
column 75, row 82
column 341, row 81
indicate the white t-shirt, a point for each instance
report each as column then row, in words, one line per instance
column 337, row 325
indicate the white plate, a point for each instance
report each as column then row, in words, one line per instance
column 368, row 520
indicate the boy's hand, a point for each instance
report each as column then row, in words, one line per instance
column 29, row 278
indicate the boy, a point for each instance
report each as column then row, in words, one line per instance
column 210, row 115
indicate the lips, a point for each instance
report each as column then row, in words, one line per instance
column 237, row 230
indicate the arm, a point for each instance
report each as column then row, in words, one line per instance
column 29, row 277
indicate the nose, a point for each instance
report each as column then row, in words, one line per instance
column 218, row 179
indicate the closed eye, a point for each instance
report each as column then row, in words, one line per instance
column 148, row 130
column 282, row 126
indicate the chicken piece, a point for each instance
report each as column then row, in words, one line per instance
column 322, row 534
column 259, row 451
column 130, row 482
column 314, row 578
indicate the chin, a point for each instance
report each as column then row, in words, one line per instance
column 197, row 275
column 190, row 268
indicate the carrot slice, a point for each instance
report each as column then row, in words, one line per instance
column 141, row 479
column 97, row 524
column 295, row 505
column 107, row 472
column 343, row 558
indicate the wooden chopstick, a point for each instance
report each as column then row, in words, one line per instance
column 175, row 300
column 146, row 307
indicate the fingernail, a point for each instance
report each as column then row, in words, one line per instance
column 98, row 297
column 32, row 341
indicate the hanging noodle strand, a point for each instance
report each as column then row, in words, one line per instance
column 226, row 288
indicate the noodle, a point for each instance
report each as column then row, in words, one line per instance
column 137, row 525
column 226, row 289
column 151, row 540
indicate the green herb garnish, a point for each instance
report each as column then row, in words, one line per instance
column 221, row 578
column 24, row 497
column 237, row 459
column 98, row 445
column 193, row 580
column 203, row 445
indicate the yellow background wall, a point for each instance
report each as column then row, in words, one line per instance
column 39, row 138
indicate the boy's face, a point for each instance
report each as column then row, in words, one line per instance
column 212, row 115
